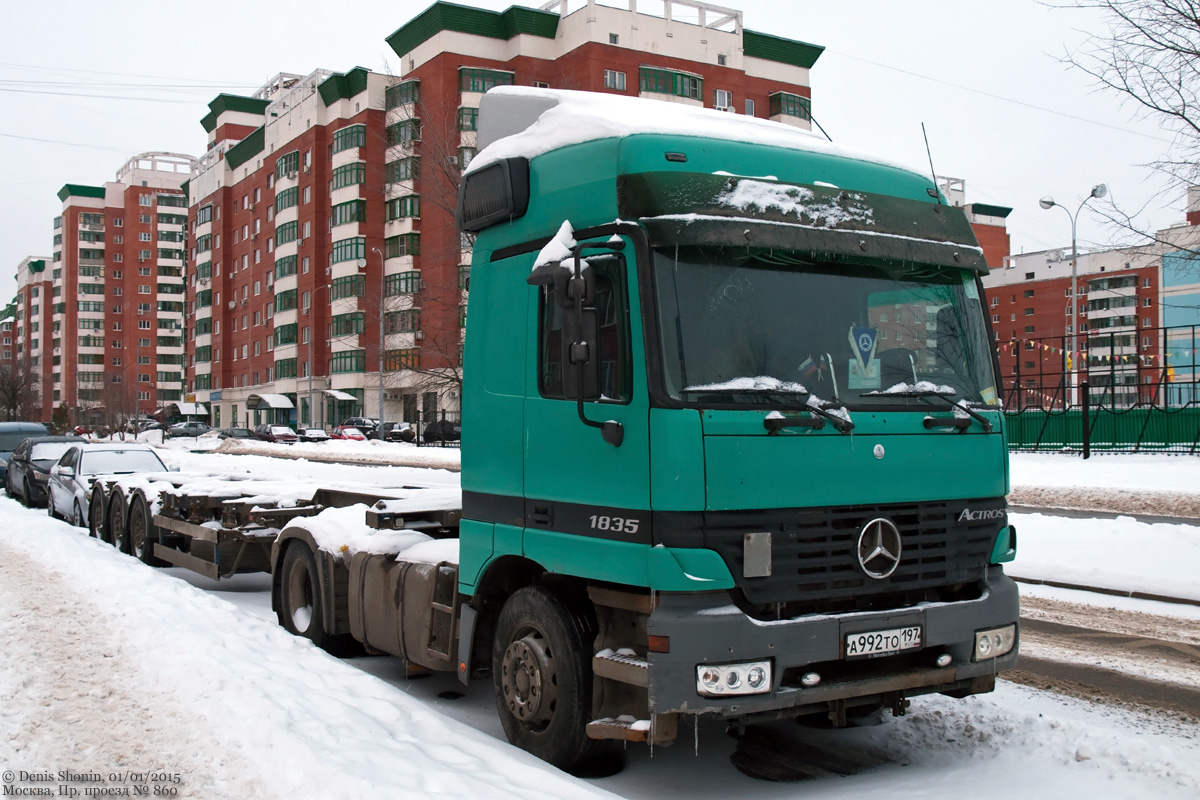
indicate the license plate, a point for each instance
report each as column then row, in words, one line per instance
column 877, row 643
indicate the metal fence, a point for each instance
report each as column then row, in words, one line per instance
column 1128, row 389
column 442, row 429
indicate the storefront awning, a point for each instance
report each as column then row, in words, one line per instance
column 257, row 401
column 191, row 409
column 336, row 395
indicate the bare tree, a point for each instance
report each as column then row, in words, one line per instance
column 17, row 382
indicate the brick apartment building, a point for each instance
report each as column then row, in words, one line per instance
column 22, row 383
column 322, row 211
column 1135, row 309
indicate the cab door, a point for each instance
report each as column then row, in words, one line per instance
column 586, row 498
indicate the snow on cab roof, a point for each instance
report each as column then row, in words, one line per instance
column 525, row 121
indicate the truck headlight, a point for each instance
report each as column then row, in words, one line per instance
column 751, row 677
column 994, row 642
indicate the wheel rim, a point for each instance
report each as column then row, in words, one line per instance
column 299, row 594
column 116, row 523
column 529, row 681
column 96, row 518
column 137, row 529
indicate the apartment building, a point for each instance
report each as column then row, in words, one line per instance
column 23, row 381
column 1135, row 308
column 327, row 277
column 104, row 322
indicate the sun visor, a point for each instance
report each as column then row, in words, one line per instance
column 721, row 210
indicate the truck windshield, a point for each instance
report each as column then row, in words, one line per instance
column 747, row 328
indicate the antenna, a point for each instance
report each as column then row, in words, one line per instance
column 822, row 130
column 933, row 172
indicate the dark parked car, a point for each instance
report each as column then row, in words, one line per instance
column 187, row 429
column 275, row 433
column 442, row 430
column 394, row 432
column 364, row 424
column 11, row 434
column 29, row 466
column 236, row 433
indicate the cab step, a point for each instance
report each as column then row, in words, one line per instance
column 623, row 666
column 623, row 728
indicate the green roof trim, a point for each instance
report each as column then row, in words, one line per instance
column 990, row 210
column 37, row 265
column 231, row 102
column 76, row 190
column 246, row 149
column 184, row 186
column 442, row 16
column 784, row 51
column 343, row 87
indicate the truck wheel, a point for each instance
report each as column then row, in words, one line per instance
column 118, row 514
column 301, row 607
column 96, row 515
column 141, row 533
column 542, row 675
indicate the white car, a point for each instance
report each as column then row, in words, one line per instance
column 71, row 478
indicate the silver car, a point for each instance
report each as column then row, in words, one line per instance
column 71, row 478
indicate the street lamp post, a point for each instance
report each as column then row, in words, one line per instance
column 1098, row 191
column 311, row 325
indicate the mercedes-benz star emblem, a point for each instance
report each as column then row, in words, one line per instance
column 879, row 548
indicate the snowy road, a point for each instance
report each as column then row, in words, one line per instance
column 111, row 667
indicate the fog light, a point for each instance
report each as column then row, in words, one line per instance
column 752, row 677
column 810, row 679
column 995, row 642
column 943, row 660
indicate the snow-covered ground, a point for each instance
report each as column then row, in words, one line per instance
column 113, row 667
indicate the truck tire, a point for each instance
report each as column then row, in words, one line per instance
column 117, row 525
column 96, row 515
column 141, row 533
column 301, row 606
column 542, row 675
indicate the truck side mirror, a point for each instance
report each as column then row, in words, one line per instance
column 579, row 353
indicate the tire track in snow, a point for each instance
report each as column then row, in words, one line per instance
column 71, row 700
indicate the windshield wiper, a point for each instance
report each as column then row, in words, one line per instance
column 775, row 421
column 945, row 398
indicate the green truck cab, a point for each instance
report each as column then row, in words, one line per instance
column 732, row 442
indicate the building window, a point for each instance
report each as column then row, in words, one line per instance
column 723, row 99
column 405, row 169
column 787, row 104
column 1029, row 292
column 480, row 80
column 349, row 286
column 408, row 244
column 343, row 213
column 404, row 132
column 1028, row 276
column 348, row 250
column 287, row 198
column 614, row 80
column 749, row 108
column 402, row 283
column 402, row 207
column 348, row 137
column 402, row 94
column 348, row 175
column 348, row 361
column 287, row 232
column 406, row 321
column 468, row 119
column 348, row 324
column 287, row 165
column 664, row 81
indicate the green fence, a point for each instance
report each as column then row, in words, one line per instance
column 1145, row 429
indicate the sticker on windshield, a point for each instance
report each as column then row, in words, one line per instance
column 862, row 345
column 864, row 378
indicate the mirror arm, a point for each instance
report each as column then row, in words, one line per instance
column 611, row 431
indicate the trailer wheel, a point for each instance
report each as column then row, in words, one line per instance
column 542, row 675
column 96, row 515
column 118, row 514
column 141, row 538
column 301, row 607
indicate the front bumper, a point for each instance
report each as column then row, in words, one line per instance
column 706, row 629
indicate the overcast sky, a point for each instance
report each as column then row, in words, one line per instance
column 86, row 85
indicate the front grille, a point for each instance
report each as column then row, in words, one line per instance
column 814, row 563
